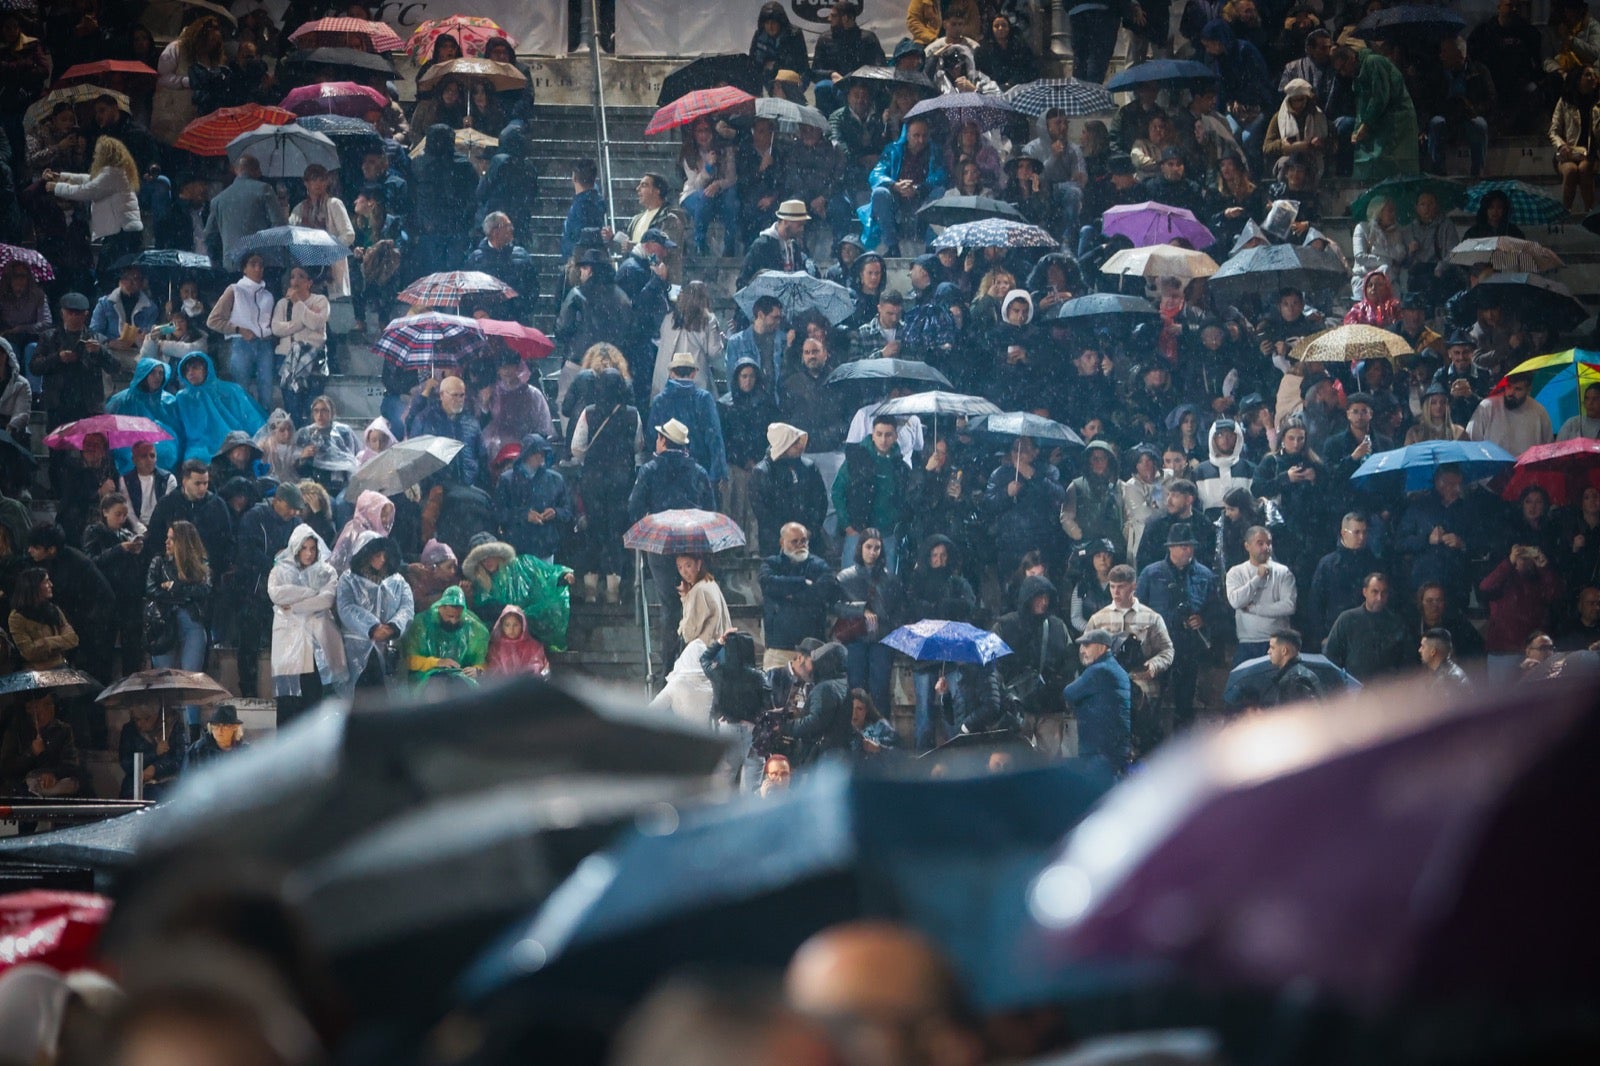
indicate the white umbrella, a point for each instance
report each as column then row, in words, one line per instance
column 397, row 468
column 1161, row 261
column 284, row 151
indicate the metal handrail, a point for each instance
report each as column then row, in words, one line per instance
column 641, row 602
column 600, row 113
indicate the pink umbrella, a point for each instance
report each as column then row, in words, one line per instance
column 526, row 341
column 1152, row 223
column 335, row 98
column 120, row 431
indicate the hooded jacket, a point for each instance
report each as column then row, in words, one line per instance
column 695, row 408
column 746, row 416
column 16, row 395
column 1032, row 518
column 361, row 603
column 1223, row 471
column 369, row 518
column 305, row 636
column 428, row 642
column 514, row 412
column 941, row 593
column 740, row 691
column 209, row 411
column 524, row 655
column 825, row 726
column 1097, row 503
column 1040, row 645
column 887, row 172
column 524, row 581
column 444, row 185
column 511, row 184
column 521, row 490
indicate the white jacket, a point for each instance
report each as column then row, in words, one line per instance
column 1140, row 503
column 1262, row 606
column 16, row 399
column 305, row 636
column 305, row 322
column 340, row 228
column 113, row 205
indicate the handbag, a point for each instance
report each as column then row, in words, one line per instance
column 1021, row 692
column 160, row 631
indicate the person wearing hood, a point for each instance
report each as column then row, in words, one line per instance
column 825, row 725
column 445, row 186
column 435, row 570
column 934, row 331
column 532, row 501
column 1143, row 495
column 1092, row 507
column 374, row 607
column 1240, row 67
column 866, row 277
column 935, row 589
column 209, row 408
column 262, row 529
column 871, row 608
column 510, row 185
column 498, row 576
column 786, row 486
column 777, row 45
column 746, row 412
column 307, row 647
column 516, row 104
column 276, row 441
column 594, row 311
column 1024, row 500
column 1385, row 135
column 1040, row 663
column 516, row 408
column 924, row 277
column 513, row 650
column 237, row 456
column 374, row 513
column 446, row 639
column 910, row 172
column 1225, row 467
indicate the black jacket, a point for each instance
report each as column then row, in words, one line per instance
column 1040, row 646
column 194, row 595
column 784, row 491
column 825, row 726
column 168, row 766
column 795, row 599
column 1293, row 683
column 1369, row 644
column 746, row 416
column 210, row 518
column 670, row 481
column 82, row 592
column 122, row 570
column 860, row 471
column 941, row 593
column 262, row 535
column 739, row 689
column 1336, row 587
column 71, row 390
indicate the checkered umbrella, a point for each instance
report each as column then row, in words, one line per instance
column 290, row 246
column 335, row 98
column 798, row 292
column 37, row 264
column 1076, row 98
column 699, row 104
column 447, row 289
column 684, row 532
column 1529, row 206
column 958, row 109
column 428, row 340
column 210, row 135
column 471, row 32
column 995, row 233
column 335, row 32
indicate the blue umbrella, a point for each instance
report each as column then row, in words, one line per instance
column 935, row 640
column 1162, row 71
column 1417, row 462
column 798, row 292
column 1248, row 680
column 289, row 246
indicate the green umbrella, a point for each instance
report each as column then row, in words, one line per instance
column 1404, row 193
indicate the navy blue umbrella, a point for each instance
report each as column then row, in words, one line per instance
column 1410, row 21
column 1418, row 462
column 1248, row 680
column 1162, row 71
column 935, row 640
column 288, row 246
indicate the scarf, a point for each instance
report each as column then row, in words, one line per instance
column 252, row 307
column 1289, row 124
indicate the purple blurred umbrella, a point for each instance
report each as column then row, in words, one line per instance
column 1152, row 223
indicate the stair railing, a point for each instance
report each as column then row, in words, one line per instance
column 593, row 33
column 641, row 602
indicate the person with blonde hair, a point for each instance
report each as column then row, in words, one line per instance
column 111, row 189
column 320, row 210
column 200, row 44
column 178, row 583
column 1434, row 422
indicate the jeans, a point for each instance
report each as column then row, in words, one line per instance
column 1475, row 131
column 886, row 216
column 742, row 770
column 251, row 363
column 188, row 654
column 930, row 708
column 869, row 664
column 664, row 572
column 702, row 209
column 1069, row 198
column 1094, row 38
column 1249, row 649
column 393, row 409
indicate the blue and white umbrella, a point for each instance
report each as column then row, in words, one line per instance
column 1077, row 98
column 939, row 641
column 284, row 151
column 1418, row 462
column 995, row 233
column 290, row 246
column 958, row 109
column 798, row 292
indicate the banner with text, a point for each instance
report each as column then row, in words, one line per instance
column 675, row 28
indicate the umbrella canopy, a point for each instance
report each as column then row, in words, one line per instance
column 340, row 60
column 63, row 681
column 1533, row 299
column 75, row 95
column 465, row 141
column 1506, row 254
column 1248, row 682
column 937, row 403
column 1558, row 380
column 1350, row 344
column 1103, row 308
column 288, row 246
column 341, row 32
column 687, row 531
column 162, row 686
column 1564, row 469
column 427, row 340
column 1529, row 206
column 37, row 265
column 106, row 845
column 335, row 98
column 1152, row 223
column 712, row 72
column 1404, row 846
column 887, row 79
column 210, row 135
column 106, row 68
column 284, row 151
column 1271, row 267
column 936, row 640
column 177, row 6
column 447, row 289
column 951, row 209
column 120, row 431
column 1419, row 462
column 1185, row 73
column 54, row 929
column 472, row 32
column 1411, row 22
column 798, row 292
column 1404, row 193
column 889, row 373
column 1076, row 98
column 1161, row 261
column 1015, row 424
column 958, row 109
column 699, row 104
column 995, row 233
column 351, row 135
column 789, row 116
column 166, row 261
column 499, row 76
column 403, row 465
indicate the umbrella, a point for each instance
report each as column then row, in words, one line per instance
column 1405, row 191
column 54, row 929
column 1185, row 73
column 342, row 130
column 159, row 260
column 15, row 458
column 1161, row 261
column 210, row 135
column 788, row 115
column 113, row 68
column 120, row 431
column 526, row 341
column 378, row 37
column 1077, row 98
column 798, row 292
column 219, row 10
column 1405, row 846
column 431, row 339
column 935, row 640
column 1104, row 308
column 335, row 98
column 1271, row 267
column 284, row 151
column 405, row 464
column 995, row 233
column 1350, row 344
column 1529, row 206
column 1420, row 461
column 1248, row 682
column 287, row 246
column 340, row 59
column 447, row 289
column 1151, row 223
column 37, row 264
column 958, row 109
column 684, row 532
column 949, row 857
column 698, row 104
column 1563, row 469
column 1558, row 380
column 63, row 681
column 162, row 686
column 1533, row 299
column 104, row 846
column 74, row 95
column 1014, row 424
column 951, row 209
column 500, row 76
column 712, row 72
column 888, row 79
column 889, row 373
column 465, row 141
column 937, row 403
column 1410, row 22
column 1506, row 254
column 472, row 32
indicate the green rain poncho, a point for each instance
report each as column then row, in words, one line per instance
column 428, row 642
column 1384, row 107
column 536, row 587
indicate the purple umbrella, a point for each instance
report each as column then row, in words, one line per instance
column 1152, row 223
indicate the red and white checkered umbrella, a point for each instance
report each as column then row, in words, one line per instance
column 448, row 288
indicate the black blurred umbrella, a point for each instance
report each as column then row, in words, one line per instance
column 708, row 72
column 952, row 210
column 889, row 372
column 1534, row 300
column 1410, row 22
column 340, row 59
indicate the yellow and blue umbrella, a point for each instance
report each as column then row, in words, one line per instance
column 1558, row 380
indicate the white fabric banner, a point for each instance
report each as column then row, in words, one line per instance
column 539, row 26
column 676, row 28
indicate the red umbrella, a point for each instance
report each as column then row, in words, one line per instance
column 1563, row 469
column 210, row 134
column 342, row 32
column 335, row 98
column 526, row 341
column 125, row 68
column 698, row 104
column 55, row 929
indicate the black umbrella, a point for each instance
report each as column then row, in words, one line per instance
column 1410, row 22
column 105, row 846
column 1268, row 268
column 952, row 210
column 340, row 59
column 708, row 72
column 1103, row 308
column 888, row 373
column 1534, row 300
column 62, row 681
column 888, row 79
column 16, row 461
column 344, row 131
column 169, row 264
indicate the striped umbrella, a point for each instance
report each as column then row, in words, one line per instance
column 335, row 98
column 995, row 233
column 290, row 246
column 37, row 264
column 448, row 288
column 1529, row 206
column 958, row 109
column 698, row 104
column 471, row 32
column 340, row 32
column 1075, row 97
column 684, row 532
column 421, row 342
column 209, row 135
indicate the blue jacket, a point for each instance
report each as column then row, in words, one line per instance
column 1101, row 698
column 521, row 490
column 1438, row 562
column 429, row 419
column 742, row 346
column 795, row 599
column 671, row 481
column 209, row 411
column 1175, row 595
column 697, row 409
column 887, row 172
column 588, row 211
column 107, row 318
column 158, row 405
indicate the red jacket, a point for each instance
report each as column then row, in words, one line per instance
column 1518, row 605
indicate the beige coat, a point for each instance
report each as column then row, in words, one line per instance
column 705, row 614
